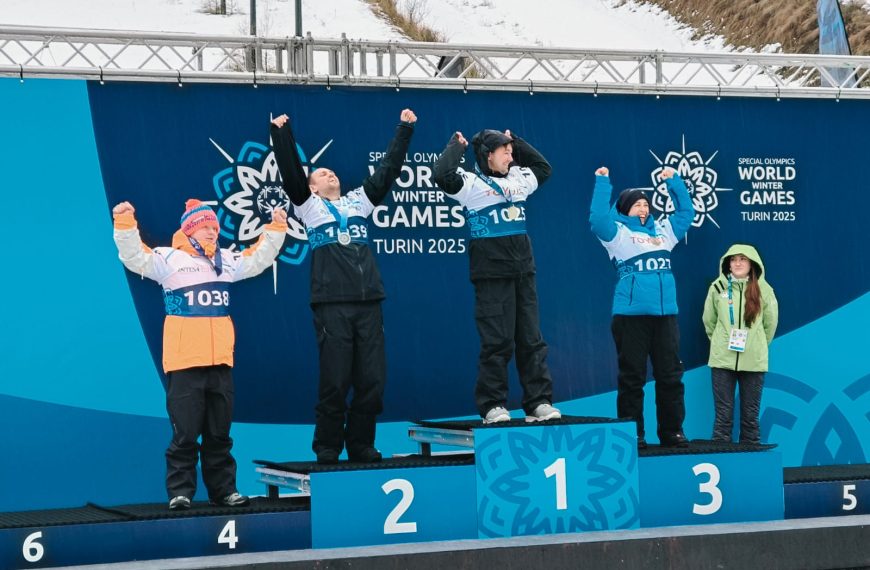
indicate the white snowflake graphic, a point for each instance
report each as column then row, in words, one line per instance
column 699, row 177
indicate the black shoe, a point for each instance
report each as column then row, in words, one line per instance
column 674, row 440
column 327, row 456
column 365, row 455
column 641, row 442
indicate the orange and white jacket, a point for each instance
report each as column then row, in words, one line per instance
column 191, row 283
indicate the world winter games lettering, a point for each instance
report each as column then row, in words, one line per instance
column 416, row 204
column 767, row 193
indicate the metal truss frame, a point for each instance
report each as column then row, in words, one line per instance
column 145, row 56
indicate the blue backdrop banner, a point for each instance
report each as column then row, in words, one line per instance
column 784, row 175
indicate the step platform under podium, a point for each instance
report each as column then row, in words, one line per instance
column 571, row 475
column 705, row 482
column 827, row 491
column 710, row 482
column 95, row 534
column 400, row 499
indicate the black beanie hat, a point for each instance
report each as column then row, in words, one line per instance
column 627, row 198
column 485, row 142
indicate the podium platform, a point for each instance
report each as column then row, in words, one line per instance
column 95, row 534
column 709, row 482
column 827, row 491
column 569, row 477
column 572, row 474
column 401, row 499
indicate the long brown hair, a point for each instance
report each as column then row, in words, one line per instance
column 753, row 295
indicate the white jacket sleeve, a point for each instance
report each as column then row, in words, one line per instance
column 137, row 257
column 259, row 256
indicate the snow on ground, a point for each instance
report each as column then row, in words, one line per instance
column 579, row 24
column 590, row 24
column 276, row 18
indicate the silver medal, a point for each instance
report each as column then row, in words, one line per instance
column 344, row 238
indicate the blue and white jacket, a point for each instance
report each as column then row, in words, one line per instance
column 641, row 253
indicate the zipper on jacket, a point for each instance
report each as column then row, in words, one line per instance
column 661, row 294
column 362, row 280
column 631, row 291
column 739, row 320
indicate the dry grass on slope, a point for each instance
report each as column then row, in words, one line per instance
column 409, row 20
column 757, row 23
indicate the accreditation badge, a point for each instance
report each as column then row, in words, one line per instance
column 737, row 340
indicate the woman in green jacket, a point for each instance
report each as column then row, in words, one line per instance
column 740, row 316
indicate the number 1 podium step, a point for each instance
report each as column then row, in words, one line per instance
column 574, row 474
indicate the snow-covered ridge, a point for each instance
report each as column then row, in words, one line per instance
column 590, row 24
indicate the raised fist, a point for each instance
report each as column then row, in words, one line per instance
column 280, row 121
column 279, row 215
column 408, row 116
column 123, row 208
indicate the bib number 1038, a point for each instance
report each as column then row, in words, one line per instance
column 205, row 298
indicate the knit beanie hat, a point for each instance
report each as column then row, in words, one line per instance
column 485, row 142
column 197, row 215
column 627, row 198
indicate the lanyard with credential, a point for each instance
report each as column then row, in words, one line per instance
column 730, row 302
column 216, row 264
column 341, row 218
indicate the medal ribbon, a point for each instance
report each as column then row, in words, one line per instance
column 492, row 184
column 340, row 217
column 217, row 264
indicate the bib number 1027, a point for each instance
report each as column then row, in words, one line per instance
column 652, row 264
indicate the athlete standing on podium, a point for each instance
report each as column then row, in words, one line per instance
column 507, row 171
column 346, row 292
column 644, row 324
column 198, row 340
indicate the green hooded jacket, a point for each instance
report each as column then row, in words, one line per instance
column 717, row 322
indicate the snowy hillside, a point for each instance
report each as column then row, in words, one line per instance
column 598, row 24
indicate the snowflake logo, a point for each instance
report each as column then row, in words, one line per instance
column 478, row 224
column 172, row 302
column 601, row 479
column 249, row 190
column 699, row 177
column 829, row 419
